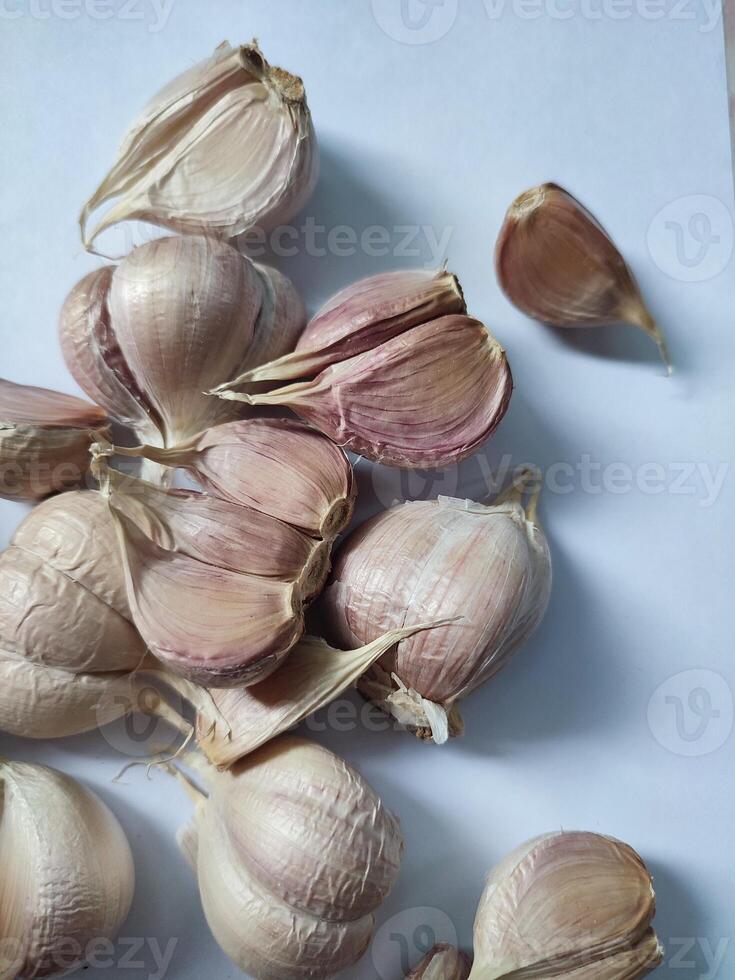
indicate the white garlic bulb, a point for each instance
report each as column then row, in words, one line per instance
column 67, row 872
column 147, row 338
column 293, row 852
column 224, row 147
column 486, row 566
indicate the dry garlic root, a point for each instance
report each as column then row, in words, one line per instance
column 293, row 853
column 577, row 906
column 485, row 565
column 67, row 872
column 396, row 370
column 557, row 263
column 226, row 146
column 147, row 338
column 443, row 962
column 44, row 440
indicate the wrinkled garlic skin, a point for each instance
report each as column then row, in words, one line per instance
column 147, row 338
column 68, row 875
column 444, row 387
column 295, row 852
column 226, row 146
column 443, row 962
column 44, row 440
column 568, row 904
column 487, row 565
column 557, row 264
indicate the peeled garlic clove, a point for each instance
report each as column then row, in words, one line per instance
column 557, row 263
column 232, row 723
column 486, row 565
column 280, row 468
column 443, row 962
column 68, row 875
column 62, row 589
column 44, row 440
column 149, row 337
column 294, row 851
column 575, row 905
column 226, row 146
column 444, row 386
column 361, row 317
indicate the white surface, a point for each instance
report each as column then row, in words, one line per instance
column 630, row 114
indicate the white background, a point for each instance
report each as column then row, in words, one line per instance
column 627, row 111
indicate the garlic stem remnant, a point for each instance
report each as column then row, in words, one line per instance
column 44, row 440
column 281, row 468
column 568, row 904
column 224, row 147
column 293, row 852
column 557, row 264
column 147, row 338
column 68, row 875
column 443, row 962
column 488, row 565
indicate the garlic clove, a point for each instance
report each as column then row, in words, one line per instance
column 294, row 851
column 226, row 146
column 568, row 904
column 280, row 468
column 44, row 440
column 68, row 874
column 444, row 387
column 443, row 962
column 361, row 317
column 487, row 565
column 281, row 319
column 557, row 264
column 62, row 589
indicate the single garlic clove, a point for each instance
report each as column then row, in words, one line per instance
column 488, row 566
column 568, row 904
column 149, row 337
column 226, row 146
column 360, row 318
column 68, row 875
column 62, row 589
column 556, row 263
column 443, row 962
column 280, row 468
column 294, row 851
column 44, row 440
column 444, row 387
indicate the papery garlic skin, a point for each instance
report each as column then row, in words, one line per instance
column 568, row 904
column 428, row 397
column 557, row 264
column 443, row 962
column 68, row 875
column 487, row 565
column 224, row 147
column 44, row 440
column 147, row 338
column 294, row 852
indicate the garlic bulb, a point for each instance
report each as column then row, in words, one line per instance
column 443, row 962
column 486, row 565
column 147, row 338
column 443, row 388
column 280, row 468
column 567, row 905
column 68, row 875
column 44, row 440
column 293, row 852
column 556, row 263
column 224, row 147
